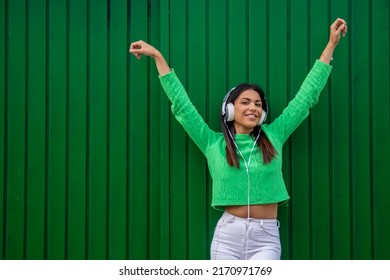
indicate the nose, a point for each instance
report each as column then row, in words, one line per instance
column 252, row 106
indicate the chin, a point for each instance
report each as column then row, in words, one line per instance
column 252, row 124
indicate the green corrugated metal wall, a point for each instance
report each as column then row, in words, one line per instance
column 94, row 166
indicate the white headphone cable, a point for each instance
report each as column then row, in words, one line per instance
column 248, row 178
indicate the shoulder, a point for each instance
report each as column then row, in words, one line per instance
column 271, row 134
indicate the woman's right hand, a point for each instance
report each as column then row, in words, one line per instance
column 140, row 48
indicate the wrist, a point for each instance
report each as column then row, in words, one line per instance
column 326, row 59
column 156, row 54
column 331, row 45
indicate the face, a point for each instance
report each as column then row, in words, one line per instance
column 247, row 111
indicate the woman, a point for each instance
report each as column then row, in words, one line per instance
column 245, row 160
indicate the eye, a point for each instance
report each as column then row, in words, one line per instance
column 259, row 105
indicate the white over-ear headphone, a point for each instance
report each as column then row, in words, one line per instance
column 228, row 108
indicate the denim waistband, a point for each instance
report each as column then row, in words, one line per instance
column 232, row 218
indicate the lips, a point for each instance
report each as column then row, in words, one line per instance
column 251, row 116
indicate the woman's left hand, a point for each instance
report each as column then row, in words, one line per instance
column 338, row 28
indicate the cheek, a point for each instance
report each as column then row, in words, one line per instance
column 239, row 109
column 237, row 113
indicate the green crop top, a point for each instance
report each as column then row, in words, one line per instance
column 230, row 184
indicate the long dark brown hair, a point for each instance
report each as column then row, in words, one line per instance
column 267, row 149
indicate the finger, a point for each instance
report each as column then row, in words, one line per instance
column 340, row 21
column 339, row 29
column 334, row 27
column 344, row 23
column 337, row 23
column 133, row 51
column 345, row 30
column 137, row 55
column 135, row 46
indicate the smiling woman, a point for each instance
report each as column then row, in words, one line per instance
column 250, row 196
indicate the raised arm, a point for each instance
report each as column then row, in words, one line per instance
column 140, row 48
column 338, row 27
column 307, row 96
column 182, row 108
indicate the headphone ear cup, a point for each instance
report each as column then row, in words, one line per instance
column 263, row 117
column 229, row 116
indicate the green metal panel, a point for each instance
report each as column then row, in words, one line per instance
column 157, row 210
column 300, row 141
column 56, row 131
column 178, row 152
column 277, row 91
column 77, row 130
column 97, row 131
column 380, row 119
column 117, row 130
column 360, row 156
column 2, row 122
column 340, row 142
column 94, row 166
column 163, row 124
column 36, row 127
column 15, row 138
column 197, row 168
column 320, row 146
column 138, row 139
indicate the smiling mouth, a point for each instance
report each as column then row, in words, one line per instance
column 251, row 115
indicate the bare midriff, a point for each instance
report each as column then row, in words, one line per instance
column 258, row 211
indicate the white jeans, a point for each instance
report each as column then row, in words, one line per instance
column 245, row 239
